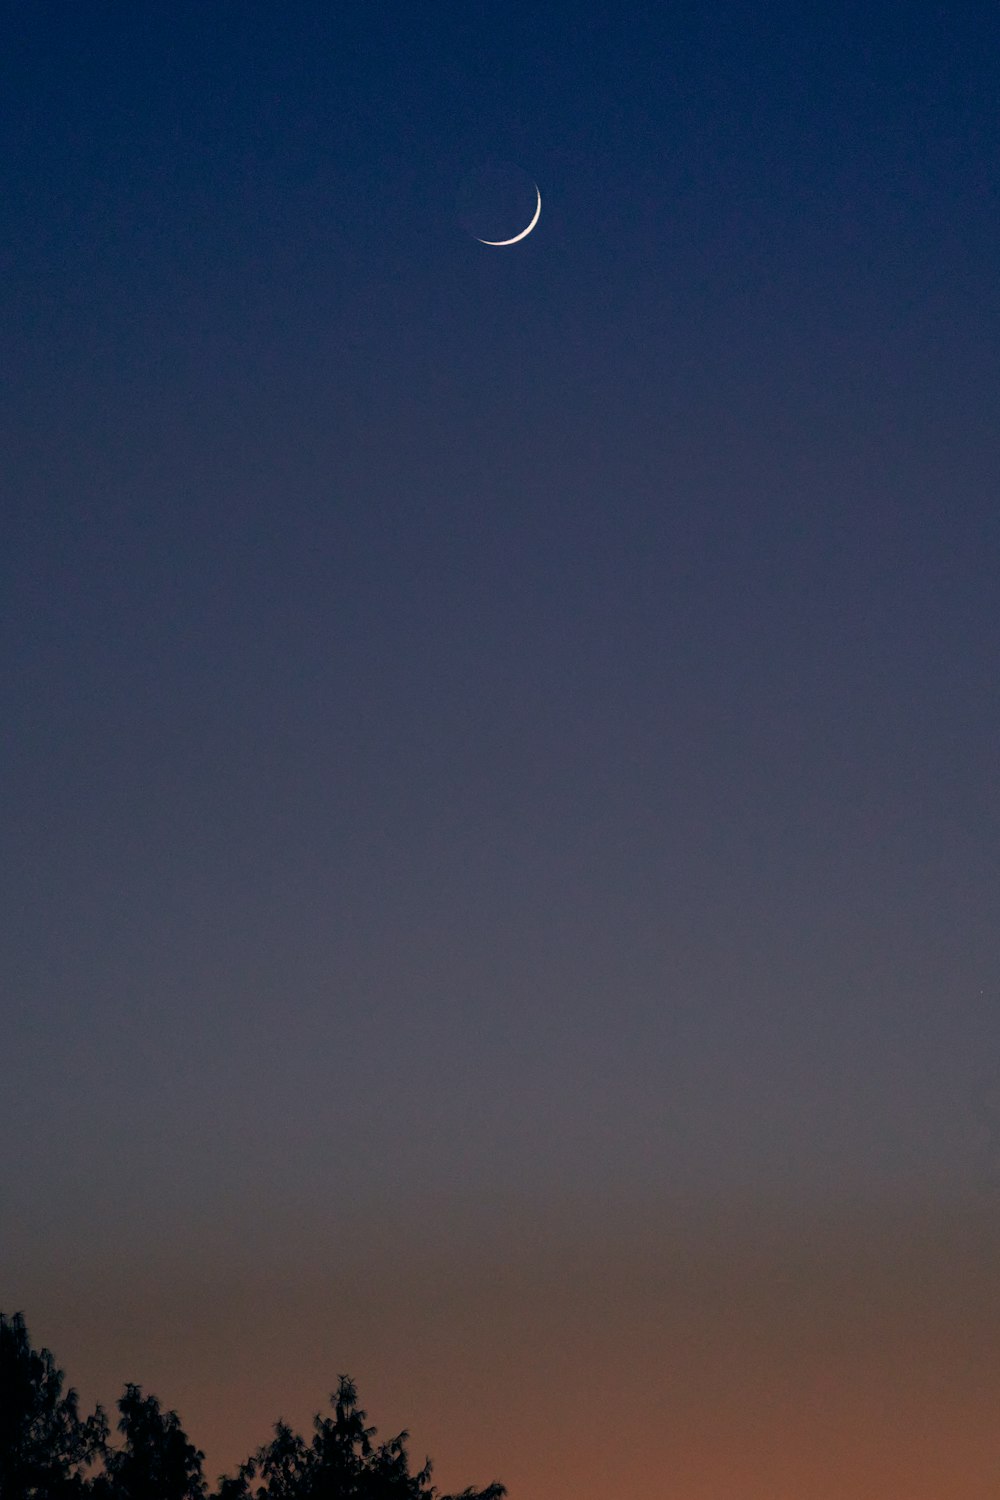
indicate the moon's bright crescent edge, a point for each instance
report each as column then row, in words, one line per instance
column 524, row 232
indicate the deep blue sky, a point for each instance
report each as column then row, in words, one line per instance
column 489, row 725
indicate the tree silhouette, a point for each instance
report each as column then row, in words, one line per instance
column 341, row 1462
column 156, row 1461
column 45, row 1447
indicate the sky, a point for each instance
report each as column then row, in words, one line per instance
column 499, row 746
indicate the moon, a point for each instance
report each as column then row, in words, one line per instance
column 524, row 232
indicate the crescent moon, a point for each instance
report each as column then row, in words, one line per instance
column 524, row 232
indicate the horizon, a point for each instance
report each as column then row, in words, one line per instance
column 499, row 761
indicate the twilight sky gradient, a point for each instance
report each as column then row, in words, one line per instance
column 499, row 748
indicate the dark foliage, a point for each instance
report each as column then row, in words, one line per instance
column 46, row 1450
column 341, row 1462
column 156, row 1461
column 45, row 1446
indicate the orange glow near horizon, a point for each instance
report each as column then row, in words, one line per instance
column 814, row 1365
